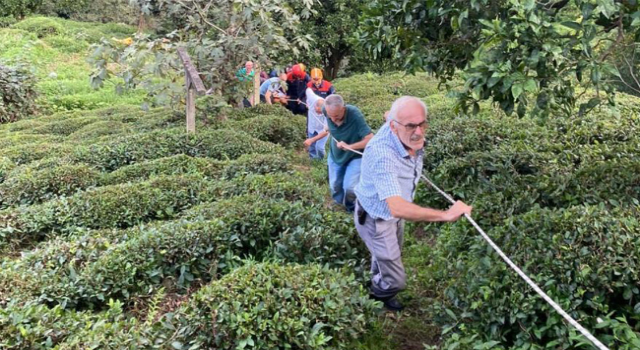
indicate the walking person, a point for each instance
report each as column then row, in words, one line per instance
column 316, row 124
column 391, row 170
column 347, row 125
column 319, row 85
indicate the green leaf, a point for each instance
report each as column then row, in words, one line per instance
column 516, row 90
column 572, row 25
column 530, row 85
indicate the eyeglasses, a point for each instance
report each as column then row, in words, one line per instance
column 412, row 127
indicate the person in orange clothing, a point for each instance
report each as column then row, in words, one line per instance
column 320, row 86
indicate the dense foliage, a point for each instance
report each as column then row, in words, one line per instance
column 522, row 55
column 17, row 93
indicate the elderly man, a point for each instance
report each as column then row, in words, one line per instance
column 391, row 169
column 347, row 125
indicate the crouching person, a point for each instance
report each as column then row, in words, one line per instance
column 391, row 170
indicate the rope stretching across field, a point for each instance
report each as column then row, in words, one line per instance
column 504, row 257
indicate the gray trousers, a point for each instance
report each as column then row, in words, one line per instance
column 384, row 241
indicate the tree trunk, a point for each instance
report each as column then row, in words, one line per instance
column 333, row 64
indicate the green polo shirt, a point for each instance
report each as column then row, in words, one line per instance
column 353, row 129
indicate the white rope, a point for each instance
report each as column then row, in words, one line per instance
column 526, row 278
column 504, row 257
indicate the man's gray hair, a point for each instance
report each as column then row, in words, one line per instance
column 333, row 101
column 401, row 102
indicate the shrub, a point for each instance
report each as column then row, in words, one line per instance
column 564, row 252
column 66, row 44
column 26, row 185
column 257, row 164
column 90, row 132
column 6, row 165
column 297, row 232
column 18, row 8
column 257, row 111
column 106, row 207
column 43, row 327
column 290, row 187
column 288, row 131
column 17, row 93
column 64, row 127
column 218, row 144
column 30, row 152
column 7, row 21
column 174, row 165
column 41, row 26
column 256, row 305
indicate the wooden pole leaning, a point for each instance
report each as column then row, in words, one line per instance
column 194, row 86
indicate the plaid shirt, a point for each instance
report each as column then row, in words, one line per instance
column 387, row 170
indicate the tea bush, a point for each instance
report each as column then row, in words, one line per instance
column 63, row 127
column 26, row 185
column 105, row 207
column 6, row 165
column 41, row 26
column 289, row 131
column 261, row 164
column 201, row 245
column 312, row 308
column 27, row 153
column 174, row 165
column 585, row 256
column 218, row 144
column 17, row 93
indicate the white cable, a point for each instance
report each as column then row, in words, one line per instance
column 526, row 278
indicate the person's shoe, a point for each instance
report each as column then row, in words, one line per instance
column 393, row 305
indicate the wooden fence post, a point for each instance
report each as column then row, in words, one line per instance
column 194, row 86
column 256, row 85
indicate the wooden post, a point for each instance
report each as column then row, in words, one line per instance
column 256, row 85
column 194, row 86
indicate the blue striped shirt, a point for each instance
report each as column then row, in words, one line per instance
column 387, row 170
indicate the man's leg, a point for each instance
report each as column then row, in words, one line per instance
column 351, row 179
column 391, row 278
column 313, row 150
column 366, row 230
column 381, row 238
column 336, row 177
column 321, row 146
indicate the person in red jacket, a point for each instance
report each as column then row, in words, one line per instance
column 296, row 90
column 320, row 87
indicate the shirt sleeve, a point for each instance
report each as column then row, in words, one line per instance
column 332, row 90
column 385, row 178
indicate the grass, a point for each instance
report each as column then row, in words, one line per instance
column 58, row 60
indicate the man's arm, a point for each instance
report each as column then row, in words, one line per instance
column 403, row 209
column 311, row 140
column 267, row 97
column 362, row 143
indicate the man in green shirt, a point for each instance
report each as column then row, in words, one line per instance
column 346, row 124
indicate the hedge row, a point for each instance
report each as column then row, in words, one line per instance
column 288, row 131
column 257, row 306
column 312, row 308
column 206, row 242
column 26, row 185
column 217, row 144
column 104, row 207
column 586, row 257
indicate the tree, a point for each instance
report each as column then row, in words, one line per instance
column 331, row 26
column 220, row 35
column 522, row 54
